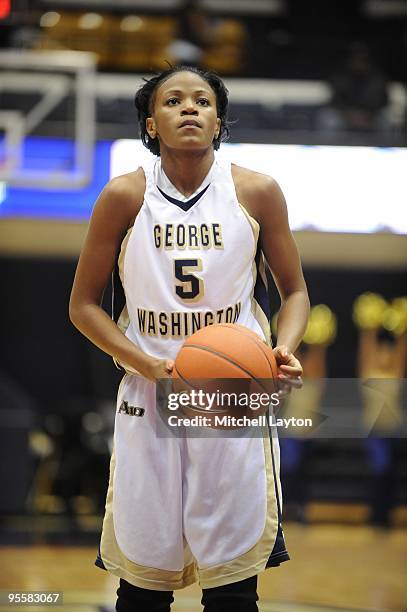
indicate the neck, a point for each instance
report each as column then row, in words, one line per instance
column 187, row 169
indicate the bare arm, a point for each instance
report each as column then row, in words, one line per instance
column 265, row 202
column 113, row 214
column 282, row 256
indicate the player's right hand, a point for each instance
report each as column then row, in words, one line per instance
column 158, row 369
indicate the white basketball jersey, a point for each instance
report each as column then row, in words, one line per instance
column 189, row 263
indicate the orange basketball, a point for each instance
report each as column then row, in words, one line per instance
column 227, row 359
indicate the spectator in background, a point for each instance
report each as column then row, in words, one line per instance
column 296, row 447
column 382, row 358
column 359, row 95
column 195, row 34
column 208, row 43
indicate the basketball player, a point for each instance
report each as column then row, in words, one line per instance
column 190, row 228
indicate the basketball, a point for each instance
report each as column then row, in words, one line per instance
column 226, row 360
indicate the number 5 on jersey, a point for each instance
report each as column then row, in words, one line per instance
column 189, row 287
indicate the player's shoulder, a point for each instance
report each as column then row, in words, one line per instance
column 131, row 185
column 124, row 194
column 254, row 182
column 256, row 191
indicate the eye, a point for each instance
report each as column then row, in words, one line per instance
column 172, row 101
column 203, row 101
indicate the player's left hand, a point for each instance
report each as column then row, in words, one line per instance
column 289, row 370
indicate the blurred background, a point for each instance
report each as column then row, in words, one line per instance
column 318, row 98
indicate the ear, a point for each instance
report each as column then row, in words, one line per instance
column 151, row 128
column 218, row 126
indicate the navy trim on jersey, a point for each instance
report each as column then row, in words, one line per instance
column 260, row 289
column 99, row 561
column 184, row 205
column 279, row 554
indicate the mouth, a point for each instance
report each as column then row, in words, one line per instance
column 190, row 123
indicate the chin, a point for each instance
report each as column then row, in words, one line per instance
column 191, row 144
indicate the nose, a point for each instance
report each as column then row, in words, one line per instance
column 188, row 108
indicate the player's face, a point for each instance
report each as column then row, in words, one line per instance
column 184, row 113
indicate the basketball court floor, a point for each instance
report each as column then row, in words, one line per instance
column 333, row 568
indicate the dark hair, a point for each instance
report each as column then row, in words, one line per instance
column 144, row 101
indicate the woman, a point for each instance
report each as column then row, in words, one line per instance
column 189, row 227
